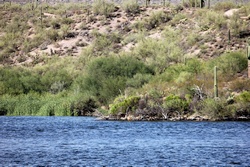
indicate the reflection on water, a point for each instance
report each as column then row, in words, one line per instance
column 80, row 141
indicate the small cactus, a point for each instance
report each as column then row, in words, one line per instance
column 215, row 83
column 229, row 36
column 248, row 52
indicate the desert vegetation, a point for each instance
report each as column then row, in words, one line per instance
column 125, row 60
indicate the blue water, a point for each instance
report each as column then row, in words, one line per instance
column 84, row 141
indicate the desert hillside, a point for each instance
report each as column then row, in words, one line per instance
column 125, row 59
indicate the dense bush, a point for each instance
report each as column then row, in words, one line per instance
column 131, row 7
column 102, row 7
column 230, row 63
column 212, row 108
column 156, row 19
column 107, row 76
column 104, row 44
column 224, row 6
column 212, row 19
column 121, row 104
column 175, row 103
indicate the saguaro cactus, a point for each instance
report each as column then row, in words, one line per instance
column 215, row 83
column 248, row 57
column 202, row 3
column 41, row 16
column 229, row 36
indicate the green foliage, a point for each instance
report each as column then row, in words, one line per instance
column 134, row 37
column 131, row 7
column 160, row 53
column 244, row 97
column 107, row 76
column 53, row 35
column 103, row 44
column 175, row 103
column 102, row 7
column 243, row 104
column 224, row 6
column 230, row 63
column 240, row 85
column 7, row 104
column 237, row 24
column 211, row 108
column 121, row 104
column 177, row 18
column 211, row 19
column 194, row 66
column 55, row 106
column 156, row 19
column 138, row 80
column 10, row 82
column 19, row 80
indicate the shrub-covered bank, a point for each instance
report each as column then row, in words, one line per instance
column 125, row 62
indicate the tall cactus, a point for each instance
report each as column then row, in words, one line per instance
column 41, row 17
column 248, row 57
column 215, row 83
column 202, row 3
column 229, row 36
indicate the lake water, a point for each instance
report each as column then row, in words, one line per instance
column 85, row 141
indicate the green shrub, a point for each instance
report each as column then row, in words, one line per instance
column 83, row 104
column 212, row 19
column 139, row 25
column 240, row 85
column 175, row 103
column 27, row 104
column 102, row 7
column 224, row 6
column 7, row 104
column 103, row 44
column 230, row 63
column 120, row 105
column 107, row 76
column 138, row 80
column 244, row 97
column 10, row 81
column 134, row 37
column 67, row 21
column 194, row 66
column 211, row 108
column 53, row 35
column 131, row 7
column 236, row 24
column 156, row 19
column 159, row 53
column 243, row 104
column 177, row 18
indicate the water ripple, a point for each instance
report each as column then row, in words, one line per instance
column 83, row 141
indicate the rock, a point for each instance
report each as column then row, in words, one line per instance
column 230, row 12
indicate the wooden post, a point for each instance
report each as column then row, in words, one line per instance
column 229, row 36
column 215, row 83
